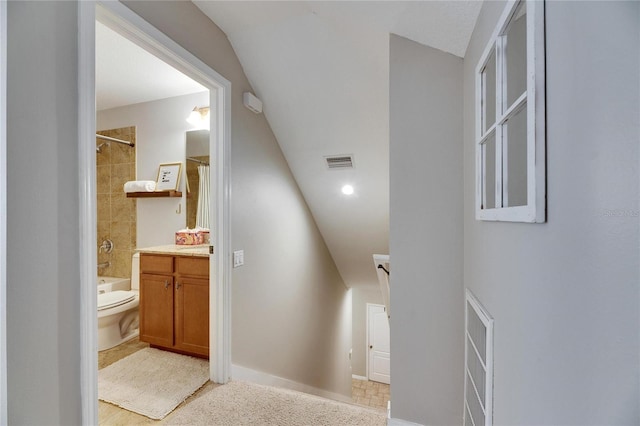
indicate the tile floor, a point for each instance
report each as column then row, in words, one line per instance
column 108, row 357
column 371, row 394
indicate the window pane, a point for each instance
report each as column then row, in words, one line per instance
column 489, row 184
column 489, row 91
column 516, row 55
column 516, row 147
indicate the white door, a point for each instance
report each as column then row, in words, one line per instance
column 379, row 345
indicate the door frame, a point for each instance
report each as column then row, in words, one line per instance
column 367, row 351
column 3, row 213
column 132, row 26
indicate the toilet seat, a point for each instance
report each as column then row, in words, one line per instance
column 112, row 299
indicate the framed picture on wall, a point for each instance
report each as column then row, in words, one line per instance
column 168, row 177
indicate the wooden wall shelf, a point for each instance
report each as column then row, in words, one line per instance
column 157, row 194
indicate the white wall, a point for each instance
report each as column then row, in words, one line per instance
column 361, row 296
column 43, row 277
column 426, row 233
column 161, row 128
column 565, row 294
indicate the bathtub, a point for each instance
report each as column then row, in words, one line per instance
column 107, row 284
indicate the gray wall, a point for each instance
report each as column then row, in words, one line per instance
column 289, row 302
column 564, row 294
column 360, row 297
column 426, row 233
column 43, row 279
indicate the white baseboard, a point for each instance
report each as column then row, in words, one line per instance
column 400, row 422
column 355, row 376
column 242, row 373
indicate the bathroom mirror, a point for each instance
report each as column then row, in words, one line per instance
column 197, row 165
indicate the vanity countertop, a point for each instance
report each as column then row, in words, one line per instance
column 176, row 250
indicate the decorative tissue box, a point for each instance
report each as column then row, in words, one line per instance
column 192, row 237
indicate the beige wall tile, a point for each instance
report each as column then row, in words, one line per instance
column 103, row 230
column 134, row 213
column 103, row 179
column 121, row 154
column 103, row 157
column 134, row 231
column 120, row 209
column 121, row 235
column 116, row 213
column 104, row 208
column 120, row 173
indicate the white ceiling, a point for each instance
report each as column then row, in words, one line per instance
column 127, row 74
column 322, row 71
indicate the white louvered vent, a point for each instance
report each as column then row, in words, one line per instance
column 339, row 161
column 478, row 355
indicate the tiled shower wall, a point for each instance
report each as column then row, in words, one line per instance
column 116, row 164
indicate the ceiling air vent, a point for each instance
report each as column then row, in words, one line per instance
column 339, row 161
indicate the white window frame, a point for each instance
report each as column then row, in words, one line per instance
column 534, row 101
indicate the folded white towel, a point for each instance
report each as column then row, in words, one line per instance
column 140, row 186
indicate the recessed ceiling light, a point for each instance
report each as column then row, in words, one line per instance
column 347, row 190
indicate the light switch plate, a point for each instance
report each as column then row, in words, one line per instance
column 238, row 258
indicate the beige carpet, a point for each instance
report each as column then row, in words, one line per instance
column 241, row 403
column 152, row 382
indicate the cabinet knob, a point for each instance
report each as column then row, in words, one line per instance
column 166, row 284
column 178, row 285
column 370, row 346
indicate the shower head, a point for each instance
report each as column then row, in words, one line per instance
column 99, row 147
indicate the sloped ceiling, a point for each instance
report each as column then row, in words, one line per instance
column 322, row 72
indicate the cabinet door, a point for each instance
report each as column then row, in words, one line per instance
column 156, row 309
column 192, row 315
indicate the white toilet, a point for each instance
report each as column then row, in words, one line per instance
column 118, row 312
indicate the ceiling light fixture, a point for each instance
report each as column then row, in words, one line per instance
column 347, row 190
column 199, row 117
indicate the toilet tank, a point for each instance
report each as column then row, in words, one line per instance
column 135, row 272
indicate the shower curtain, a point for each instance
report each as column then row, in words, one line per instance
column 202, row 213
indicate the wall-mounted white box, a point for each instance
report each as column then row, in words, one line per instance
column 251, row 102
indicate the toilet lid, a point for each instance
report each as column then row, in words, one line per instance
column 114, row 298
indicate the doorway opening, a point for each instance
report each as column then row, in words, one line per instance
column 126, row 23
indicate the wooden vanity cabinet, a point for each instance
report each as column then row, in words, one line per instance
column 156, row 309
column 192, row 304
column 174, row 303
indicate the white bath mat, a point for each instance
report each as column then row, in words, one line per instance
column 152, row 382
